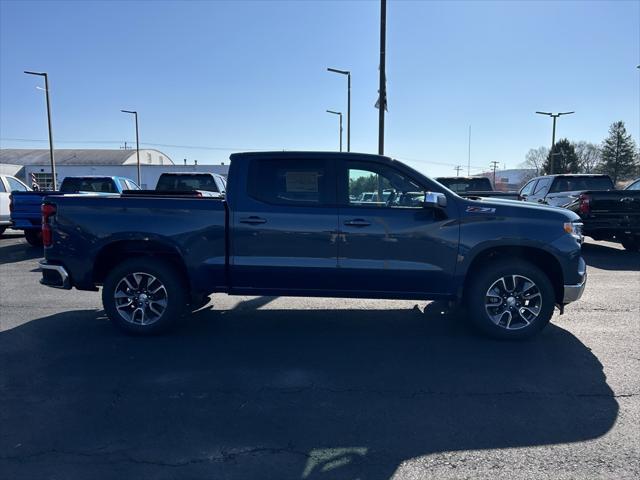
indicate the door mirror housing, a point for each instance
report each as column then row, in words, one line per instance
column 434, row 200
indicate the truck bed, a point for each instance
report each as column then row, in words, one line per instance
column 191, row 228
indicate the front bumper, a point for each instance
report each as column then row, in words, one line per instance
column 574, row 292
column 55, row 276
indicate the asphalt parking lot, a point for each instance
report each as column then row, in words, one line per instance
column 317, row 388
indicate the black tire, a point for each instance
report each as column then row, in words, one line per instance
column 34, row 237
column 174, row 296
column 511, row 324
column 631, row 243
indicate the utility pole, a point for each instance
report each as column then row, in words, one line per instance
column 494, row 164
column 135, row 113
column 553, row 136
column 382, row 79
column 457, row 169
column 51, row 152
column 348, row 74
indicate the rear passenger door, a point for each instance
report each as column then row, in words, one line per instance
column 284, row 227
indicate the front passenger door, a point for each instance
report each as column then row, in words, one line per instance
column 390, row 243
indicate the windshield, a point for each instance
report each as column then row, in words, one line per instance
column 573, row 184
column 180, row 182
column 100, row 185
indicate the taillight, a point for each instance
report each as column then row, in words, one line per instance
column 585, row 204
column 48, row 211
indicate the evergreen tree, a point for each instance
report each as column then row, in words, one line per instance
column 565, row 159
column 619, row 157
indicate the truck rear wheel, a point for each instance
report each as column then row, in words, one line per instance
column 33, row 237
column 510, row 299
column 144, row 296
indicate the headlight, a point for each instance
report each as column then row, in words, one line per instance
column 575, row 230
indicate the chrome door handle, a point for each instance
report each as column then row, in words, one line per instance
column 357, row 222
column 253, row 220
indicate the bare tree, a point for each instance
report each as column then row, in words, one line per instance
column 535, row 158
column 588, row 156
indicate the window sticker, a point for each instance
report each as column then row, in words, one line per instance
column 302, row 181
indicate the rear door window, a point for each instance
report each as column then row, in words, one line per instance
column 301, row 182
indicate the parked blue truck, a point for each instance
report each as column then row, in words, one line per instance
column 25, row 206
column 290, row 226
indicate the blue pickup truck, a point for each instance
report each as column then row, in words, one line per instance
column 25, row 206
column 293, row 224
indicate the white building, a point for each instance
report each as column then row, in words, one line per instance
column 29, row 165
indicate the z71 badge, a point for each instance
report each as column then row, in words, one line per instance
column 472, row 209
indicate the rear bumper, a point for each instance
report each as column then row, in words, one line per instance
column 55, row 276
column 574, row 292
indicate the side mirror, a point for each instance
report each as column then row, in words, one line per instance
column 434, row 200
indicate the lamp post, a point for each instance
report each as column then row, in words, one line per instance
column 51, row 152
column 553, row 135
column 340, row 115
column 135, row 114
column 348, row 74
column 382, row 79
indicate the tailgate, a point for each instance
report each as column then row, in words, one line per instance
column 614, row 209
column 614, row 202
column 25, row 209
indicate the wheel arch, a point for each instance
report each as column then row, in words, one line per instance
column 116, row 252
column 536, row 256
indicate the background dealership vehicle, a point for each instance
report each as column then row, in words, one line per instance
column 474, row 187
column 607, row 214
column 561, row 190
column 25, row 205
column 8, row 184
column 288, row 226
column 190, row 181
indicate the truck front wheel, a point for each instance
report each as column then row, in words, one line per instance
column 510, row 299
column 144, row 296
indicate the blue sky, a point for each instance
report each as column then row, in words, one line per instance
column 251, row 75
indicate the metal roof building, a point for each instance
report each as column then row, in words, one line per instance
column 20, row 156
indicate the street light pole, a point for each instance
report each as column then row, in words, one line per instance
column 340, row 115
column 134, row 113
column 348, row 74
column 553, row 135
column 51, row 152
column 382, row 79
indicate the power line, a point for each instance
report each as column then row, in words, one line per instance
column 119, row 142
